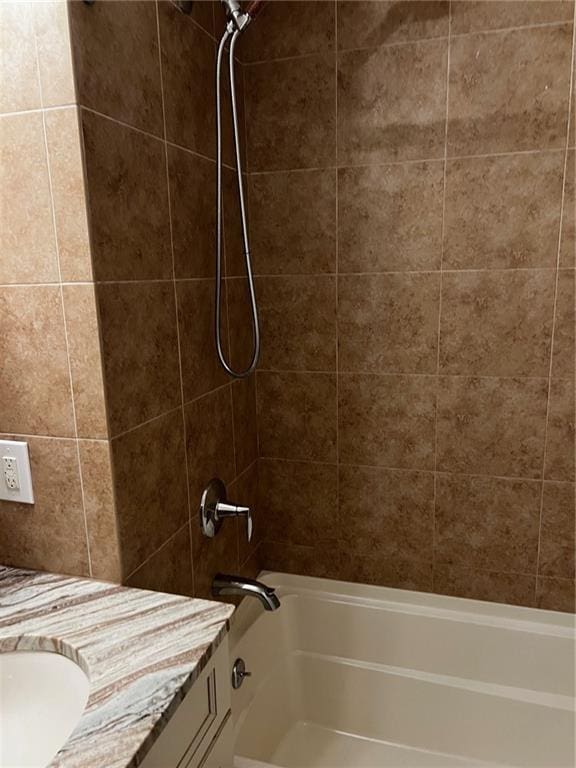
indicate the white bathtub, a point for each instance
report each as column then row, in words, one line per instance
column 346, row 675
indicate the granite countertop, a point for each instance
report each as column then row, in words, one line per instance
column 141, row 651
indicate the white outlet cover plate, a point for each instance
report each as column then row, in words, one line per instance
column 19, row 450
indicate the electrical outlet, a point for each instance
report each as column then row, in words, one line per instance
column 10, row 468
column 15, row 474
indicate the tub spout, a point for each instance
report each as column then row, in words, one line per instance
column 224, row 584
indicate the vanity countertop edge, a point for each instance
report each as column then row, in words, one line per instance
column 141, row 650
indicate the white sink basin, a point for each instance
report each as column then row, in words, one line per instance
column 42, row 697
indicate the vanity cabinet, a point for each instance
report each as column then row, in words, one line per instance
column 199, row 733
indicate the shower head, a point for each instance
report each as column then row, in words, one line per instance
column 239, row 18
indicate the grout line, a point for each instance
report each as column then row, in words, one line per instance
column 152, row 135
column 175, row 294
column 441, row 288
column 38, row 110
column 411, row 161
column 554, row 312
column 279, row 275
column 337, row 264
column 382, row 273
column 63, row 308
column 419, row 470
column 153, row 554
column 145, row 423
column 400, row 374
column 404, row 43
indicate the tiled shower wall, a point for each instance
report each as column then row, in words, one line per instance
column 144, row 74
column 51, row 391
column 411, row 172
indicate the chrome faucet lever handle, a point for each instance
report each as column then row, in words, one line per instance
column 225, row 509
column 215, row 507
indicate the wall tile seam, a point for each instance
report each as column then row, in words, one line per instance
column 146, row 560
column 89, row 225
column 428, row 160
column 148, row 134
column 558, row 256
column 405, row 374
column 440, row 292
column 421, row 470
column 286, row 275
column 63, row 312
column 185, row 457
column 336, row 263
column 37, row 110
column 403, row 43
column 253, row 554
column 403, row 557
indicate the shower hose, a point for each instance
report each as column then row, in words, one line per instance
column 245, row 244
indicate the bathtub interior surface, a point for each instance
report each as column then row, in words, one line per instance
column 345, row 676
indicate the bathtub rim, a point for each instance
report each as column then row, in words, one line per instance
column 448, row 607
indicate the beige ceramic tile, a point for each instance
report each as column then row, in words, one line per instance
column 512, row 588
column 387, row 420
column 35, row 396
column 298, row 322
column 491, row 426
column 487, row 523
column 85, row 360
column 18, row 61
column 116, row 60
column 388, row 323
column 497, row 323
column 564, row 342
column 503, row 212
column 50, row 535
column 300, row 500
column 291, row 113
column 368, row 24
column 68, row 192
column 169, row 569
column 297, row 415
column 390, row 512
column 140, row 351
column 98, row 489
column 293, row 222
column 27, row 240
column 54, row 53
column 392, row 103
column 150, row 487
column 390, row 217
column 525, row 110
column 561, row 435
column 128, row 194
column 557, row 544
